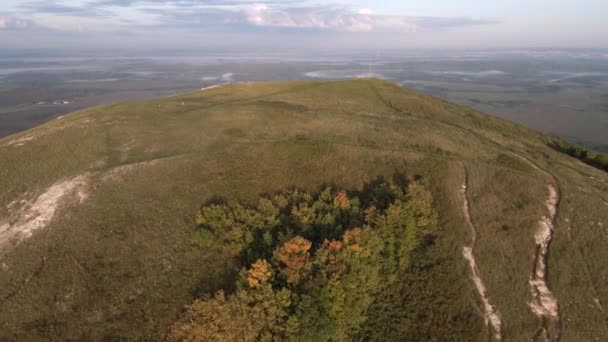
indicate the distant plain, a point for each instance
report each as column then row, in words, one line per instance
column 562, row 93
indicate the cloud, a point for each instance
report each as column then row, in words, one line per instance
column 13, row 23
column 345, row 19
column 326, row 18
column 243, row 14
column 193, row 3
column 445, row 22
column 365, row 11
column 55, row 8
column 336, row 18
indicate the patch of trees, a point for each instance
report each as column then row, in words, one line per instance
column 592, row 158
column 313, row 265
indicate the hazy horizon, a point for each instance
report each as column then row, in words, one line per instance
column 525, row 61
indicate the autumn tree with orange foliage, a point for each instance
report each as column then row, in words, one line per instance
column 259, row 273
column 294, row 255
column 341, row 200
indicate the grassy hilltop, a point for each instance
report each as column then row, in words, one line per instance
column 110, row 194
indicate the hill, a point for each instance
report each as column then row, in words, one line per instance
column 98, row 210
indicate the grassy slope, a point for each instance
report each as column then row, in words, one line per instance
column 121, row 264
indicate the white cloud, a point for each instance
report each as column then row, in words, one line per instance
column 329, row 18
column 365, row 11
column 7, row 23
column 108, row 15
column 257, row 15
column 345, row 19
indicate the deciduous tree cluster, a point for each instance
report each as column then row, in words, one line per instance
column 312, row 264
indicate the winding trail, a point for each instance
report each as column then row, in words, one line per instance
column 544, row 304
column 490, row 314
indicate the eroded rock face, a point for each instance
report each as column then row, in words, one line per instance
column 544, row 303
column 490, row 314
column 29, row 217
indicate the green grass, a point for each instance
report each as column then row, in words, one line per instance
column 121, row 265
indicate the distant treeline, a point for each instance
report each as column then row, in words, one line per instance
column 313, row 266
column 592, row 158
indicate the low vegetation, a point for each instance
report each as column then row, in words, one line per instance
column 592, row 158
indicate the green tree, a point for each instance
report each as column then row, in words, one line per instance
column 316, row 264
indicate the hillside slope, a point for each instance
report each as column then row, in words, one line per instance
column 97, row 209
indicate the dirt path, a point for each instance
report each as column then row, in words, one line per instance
column 544, row 304
column 536, row 283
column 490, row 314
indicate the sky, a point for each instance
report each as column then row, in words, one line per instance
column 302, row 25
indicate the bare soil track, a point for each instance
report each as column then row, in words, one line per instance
column 490, row 313
column 544, row 304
